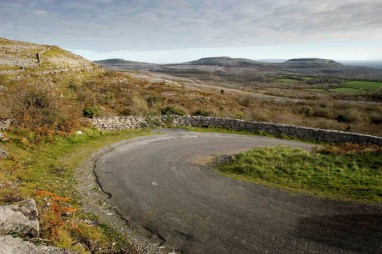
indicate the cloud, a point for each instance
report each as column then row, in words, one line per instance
column 113, row 25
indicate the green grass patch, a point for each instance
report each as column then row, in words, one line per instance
column 288, row 80
column 358, row 86
column 56, row 161
column 47, row 165
column 334, row 172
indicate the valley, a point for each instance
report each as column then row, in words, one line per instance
column 308, row 92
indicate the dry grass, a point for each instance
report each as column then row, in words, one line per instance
column 113, row 93
column 119, row 94
column 39, row 108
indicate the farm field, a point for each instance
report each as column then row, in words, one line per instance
column 358, row 86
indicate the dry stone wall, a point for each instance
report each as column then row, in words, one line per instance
column 279, row 130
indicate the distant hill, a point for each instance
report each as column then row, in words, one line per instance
column 310, row 63
column 241, row 66
column 18, row 58
column 226, row 62
column 117, row 63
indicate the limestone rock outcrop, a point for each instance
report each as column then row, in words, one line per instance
column 15, row 245
column 20, row 218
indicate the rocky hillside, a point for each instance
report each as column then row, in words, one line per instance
column 23, row 59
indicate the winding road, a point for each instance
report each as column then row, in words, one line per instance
column 160, row 182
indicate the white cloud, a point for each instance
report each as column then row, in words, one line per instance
column 143, row 25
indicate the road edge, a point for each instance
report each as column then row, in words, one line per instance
column 97, row 202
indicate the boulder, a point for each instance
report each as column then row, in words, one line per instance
column 11, row 245
column 20, row 218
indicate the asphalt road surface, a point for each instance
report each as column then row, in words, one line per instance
column 160, row 183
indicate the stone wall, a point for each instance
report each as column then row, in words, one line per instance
column 278, row 130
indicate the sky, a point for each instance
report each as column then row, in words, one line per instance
column 172, row 31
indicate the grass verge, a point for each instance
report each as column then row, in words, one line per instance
column 350, row 172
column 44, row 170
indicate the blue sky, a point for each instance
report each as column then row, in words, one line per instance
column 165, row 31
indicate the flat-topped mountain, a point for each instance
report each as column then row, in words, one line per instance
column 18, row 57
column 310, row 63
column 226, row 62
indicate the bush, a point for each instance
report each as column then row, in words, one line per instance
column 202, row 112
column 154, row 101
column 39, row 109
column 245, row 101
column 321, row 112
column 137, row 106
column 306, row 111
column 172, row 111
column 91, row 112
column 350, row 117
column 375, row 117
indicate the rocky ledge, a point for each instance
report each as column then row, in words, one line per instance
column 21, row 219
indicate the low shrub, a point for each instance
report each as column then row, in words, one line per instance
column 349, row 117
column 324, row 112
column 375, row 117
column 202, row 112
column 245, row 101
column 91, row 112
column 169, row 110
column 136, row 105
column 306, row 111
column 154, row 101
column 39, row 108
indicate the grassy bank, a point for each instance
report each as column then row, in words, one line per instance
column 43, row 168
column 345, row 172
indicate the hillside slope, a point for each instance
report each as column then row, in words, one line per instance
column 24, row 58
column 231, row 87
